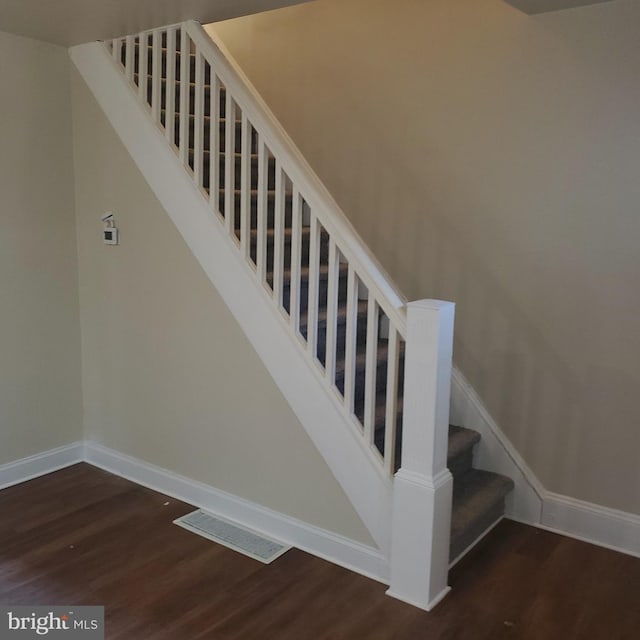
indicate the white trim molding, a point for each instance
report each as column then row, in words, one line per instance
column 330, row 546
column 592, row 523
column 610, row 528
column 40, row 464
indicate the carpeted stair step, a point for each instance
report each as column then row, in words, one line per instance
column 478, row 503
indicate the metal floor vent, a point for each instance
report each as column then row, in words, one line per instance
column 231, row 535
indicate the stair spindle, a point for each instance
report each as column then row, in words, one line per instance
column 169, row 92
column 229, row 163
column 261, row 248
column 214, row 142
column 183, row 127
column 245, row 198
column 350, row 345
column 371, row 365
column 278, row 236
column 296, row 256
column 332, row 311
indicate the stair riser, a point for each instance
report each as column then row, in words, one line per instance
column 461, row 463
column 460, row 542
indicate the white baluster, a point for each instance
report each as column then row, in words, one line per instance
column 143, row 66
column 278, row 224
column 312, row 286
column 351, row 336
column 245, row 185
column 170, row 88
column 371, row 366
column 229, row 163
column 116, row 49
column 183, row 128
column 332, row 312
column 391, row 401
column 296, row 230
column 198, row 121
column 214, row 142
column 156, row 72
column 129, row 57
column 263, row 176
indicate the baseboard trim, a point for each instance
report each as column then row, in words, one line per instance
column 586, row 521
column 40, row 464
column 337, row 549
column 605, row 527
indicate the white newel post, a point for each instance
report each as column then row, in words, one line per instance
column 423, row 485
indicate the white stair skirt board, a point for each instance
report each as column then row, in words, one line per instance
column 40, row 464
column 347, row 553
column 232, row 535
column 356, row 469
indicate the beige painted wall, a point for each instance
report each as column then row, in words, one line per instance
column 168, row 375
column 490, row 158
column 40, row 393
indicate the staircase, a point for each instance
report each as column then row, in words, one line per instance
column 352, row 325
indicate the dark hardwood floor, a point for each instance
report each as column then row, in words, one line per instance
column 83, row 536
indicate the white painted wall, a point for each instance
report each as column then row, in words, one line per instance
column 490, row 158
column 40, row 393
column 168, row 375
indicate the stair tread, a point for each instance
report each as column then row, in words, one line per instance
column 475, row 493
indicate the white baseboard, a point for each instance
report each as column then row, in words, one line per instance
column 40, row 464
column 495, row 452
column 604, row 527
column 610, row 528
column 342, row 551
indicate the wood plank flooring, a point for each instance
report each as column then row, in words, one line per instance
column 82, row 536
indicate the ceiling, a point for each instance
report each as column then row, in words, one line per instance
column 69, row 22
column 544, row 6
